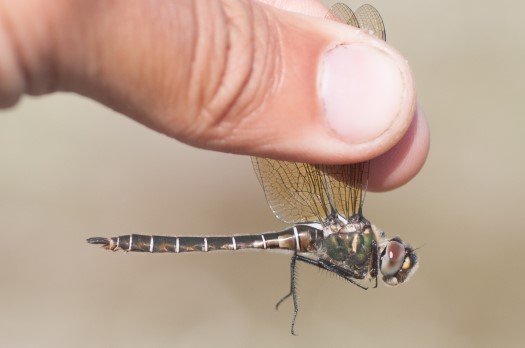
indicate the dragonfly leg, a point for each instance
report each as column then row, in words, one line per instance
column 291, row 293
column 375, row 261
column 282, row 300
column 329, row 266
column 326, row 265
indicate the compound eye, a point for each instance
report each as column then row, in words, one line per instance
column 393, row 258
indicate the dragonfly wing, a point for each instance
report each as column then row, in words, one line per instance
column 301, row 192
column 346, row 185
column 369, row 18
column 340, row 12
column 366, row 17
column 294, row 191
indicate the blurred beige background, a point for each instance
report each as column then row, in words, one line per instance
column 72, row 169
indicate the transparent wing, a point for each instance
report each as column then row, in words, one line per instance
column 301, row 192
column 340, row 12
column 366, row 17
column 369, row 18
column 294, row 191
column 346, row 185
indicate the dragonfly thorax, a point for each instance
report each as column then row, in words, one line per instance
column 350, row 244
column 351, row 248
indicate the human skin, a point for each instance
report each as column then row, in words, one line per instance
column 261, row 78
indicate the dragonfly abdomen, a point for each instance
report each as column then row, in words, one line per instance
column 300, row 238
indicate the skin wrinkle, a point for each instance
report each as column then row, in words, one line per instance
column 179, row 81
column 193, row 95
column 240, row 39
column 219, row 42
column 204, row 54
column 172, row 26
column 237, row 37
column 266, row 68
column 287, row 69
column 233, row 112
column 277, row 76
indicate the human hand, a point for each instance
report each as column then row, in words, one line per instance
column 238, row 76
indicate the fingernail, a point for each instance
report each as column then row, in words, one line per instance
column 361, row 87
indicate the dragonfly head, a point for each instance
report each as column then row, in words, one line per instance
column 398, row 262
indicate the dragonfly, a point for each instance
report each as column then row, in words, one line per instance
column 324, row 205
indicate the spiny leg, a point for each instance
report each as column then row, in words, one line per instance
column 375, row 261
column 292, row 282
column 329, row 266
column 324, row 264
column 292, row 293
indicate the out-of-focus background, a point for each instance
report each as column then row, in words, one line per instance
column 72, row 169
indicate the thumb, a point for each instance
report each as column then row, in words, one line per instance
column 234, row 76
